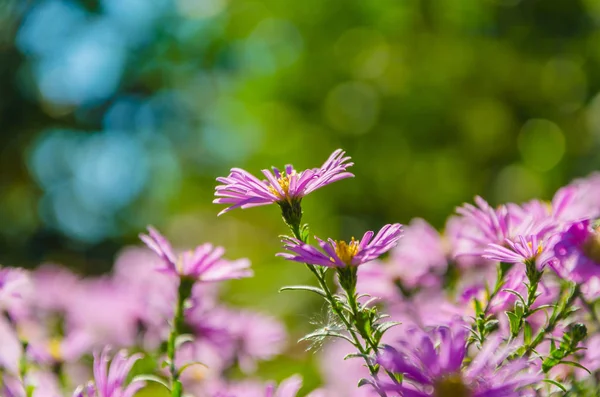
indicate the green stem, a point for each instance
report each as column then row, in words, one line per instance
column 182, row 294
column 553, row 322
column 294, row 225
column 481, row 332
column 338, row 311
column 352, row 301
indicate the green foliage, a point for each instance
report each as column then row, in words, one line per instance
column 437, row 100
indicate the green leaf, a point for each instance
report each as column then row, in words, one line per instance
column 366, row 357
column 383, row 327
column 478, row 308
column 491, row 325
column 527, row 333
column 549, row 363
column 555, row 383
column 518, row 295
column 364, row 381
column 370, row 301
column 574, row 364
column 304, row 288
column 323, row 333
column 514, row 322
column 519, row 309
column 151, row 378
column 542, row 307
column 182, row 339
column 399, row 377
column 187, row 365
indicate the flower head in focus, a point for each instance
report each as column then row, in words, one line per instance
column 578, row 251
column 482, row 225
column 240, row 189
column 529, row 249
column 432, row 365
column 205, row 263
column 109, row 379
column 342, row 254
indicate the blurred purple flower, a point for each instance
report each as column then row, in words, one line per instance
column 287, row 388
column 205, row 263
column 244, row 337
column 340, row 376
column 151, row 292
column 11, row 349
column 578, row 252
column 15, row 288
column 12, row 386
column 109, row 379
column 342, row 254
column 419, row 259
column 432, row 366
column 104, row 313
column 243, row 190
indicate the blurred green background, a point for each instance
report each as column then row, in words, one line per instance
column 115, row 114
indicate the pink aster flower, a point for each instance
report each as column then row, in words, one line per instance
column 341, row 253
column 578, row 252
column 483, row 225
column 432, row 364
column 109, row 379
column 523, row 250
column 243, row 190
column 205, row 263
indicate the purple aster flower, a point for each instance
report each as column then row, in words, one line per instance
column 109, row 379
column 243, row 190
column 578, row 252
column 523, row 250
column 341, row 253
column 205, row 263
column 432, row 364
column 482, row 225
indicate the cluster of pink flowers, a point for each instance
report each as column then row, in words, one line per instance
column 501, row 303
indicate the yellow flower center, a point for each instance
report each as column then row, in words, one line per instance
column 538, row 251
column 591, row 246
column 284, row 183
column 451, row 386
column 55, row 349
column 346, row 251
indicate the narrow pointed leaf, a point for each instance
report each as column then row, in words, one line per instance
column 304, row 288
column 151, row 378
